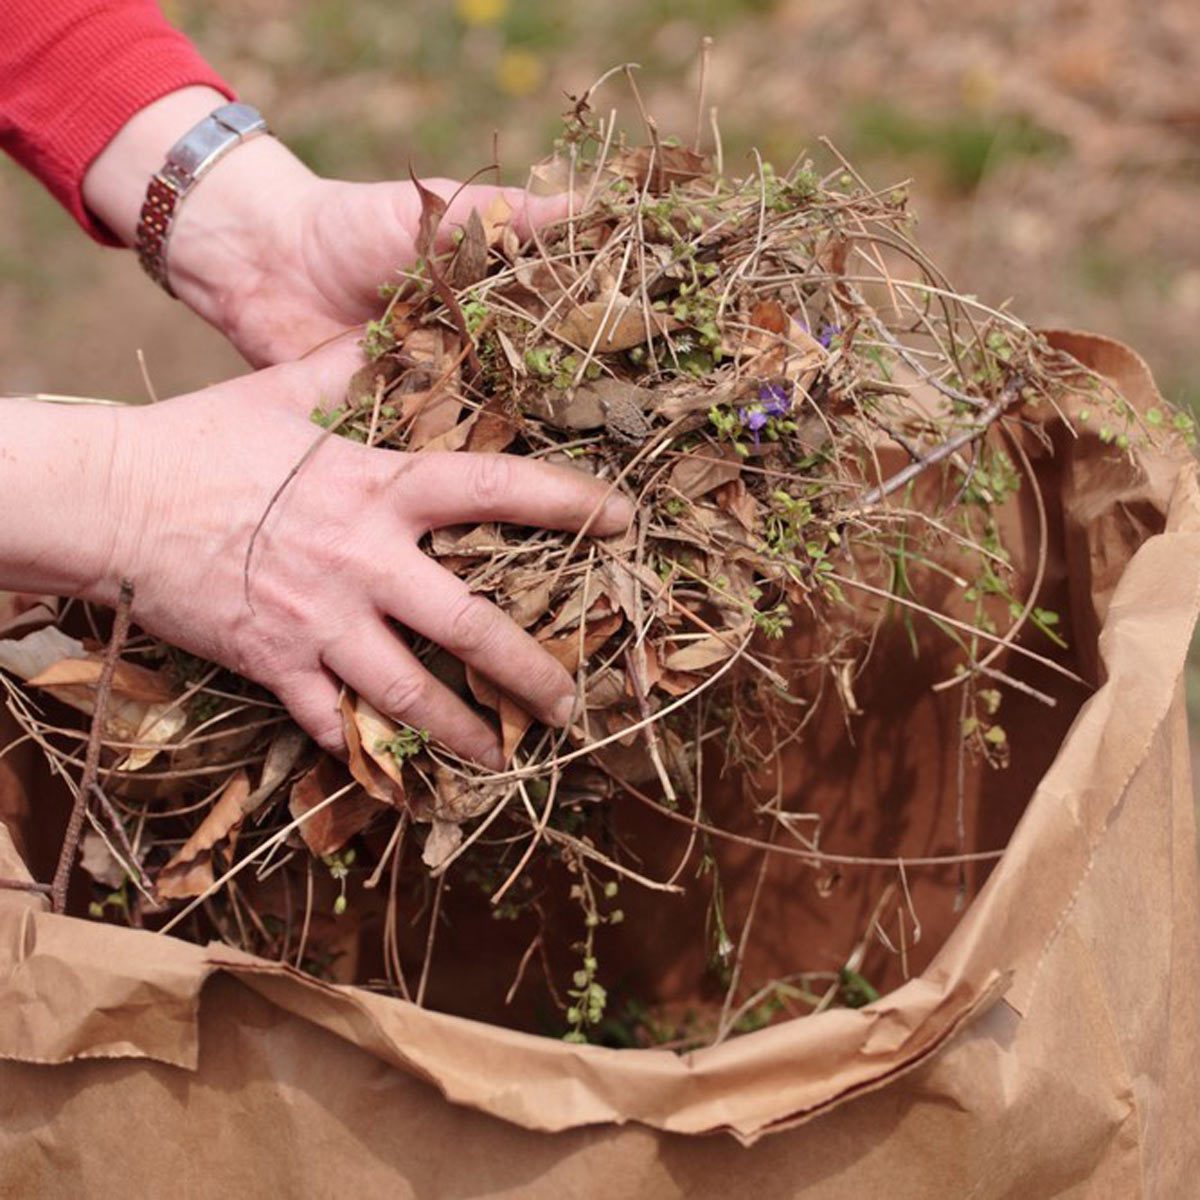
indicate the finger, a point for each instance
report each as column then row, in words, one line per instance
column 508, row 205
column 313, row 698
column 432, row 602
column 439, row 489
column 378, row 666
column 320, row 378
column 525, row 211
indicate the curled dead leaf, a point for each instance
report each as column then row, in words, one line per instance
column 159, row 727
column 130, row 681
column 374, row 732
column 734, row 498
column 444, row 838
column 568, row 648
column 660, row 167
column 514, row 720
column 366, row 762
column 21, row 612
column 496, row 218
column 330, row 829
column 190, row 872
column 100, row 862
column 471, row 258
column 613, row 326
column 702, row 653
column 697, row 474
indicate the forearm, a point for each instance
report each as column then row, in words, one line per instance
column 73, row 72
column 59, row 497
column 221, row 227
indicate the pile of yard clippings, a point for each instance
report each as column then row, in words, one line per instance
column 816, row 432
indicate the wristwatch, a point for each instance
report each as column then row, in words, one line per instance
column 188, row 160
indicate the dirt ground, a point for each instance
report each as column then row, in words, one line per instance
column 1054, row 145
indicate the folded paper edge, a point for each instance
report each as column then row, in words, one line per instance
column 575, row 1086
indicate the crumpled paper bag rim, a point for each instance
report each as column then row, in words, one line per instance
column 73, row 989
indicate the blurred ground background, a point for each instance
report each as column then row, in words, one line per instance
column 1054, row 145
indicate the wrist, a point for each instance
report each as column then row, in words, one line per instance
column 222, row 233
column 229, row 233
column 115, row 184
column 58, row 471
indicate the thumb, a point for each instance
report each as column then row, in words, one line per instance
column 321, row 376
column 513, row 206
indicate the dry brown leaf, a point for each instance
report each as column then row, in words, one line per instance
column 282, row 755
column 492, row 430
column 433, row 208
column 367, row 380
column 403, row 321
column 735, row 499
column 28, row 656
column 771, row 318
column 431, row 414
column 331, row 828
column 806, row 350
column 496, row 218
column 375, row 781
column 570, row 612
column 627, row 325
column 702, row 653
column 460, row 798
column 453, row 439
column 679, row 683
column 444, row 838
column 100, row 862
column 190, row 872
column 653, row 664
column 516, row 364
column 158, row 729
column 605, row 689
column 374, row 730
column 471, row 258
column 465, row 541
column 140, row 707
column 530, row 603
column 514, row 719
column 21, row 612
column 130, row 682
column 660, row 166
column 550, row 178
column 620, row 583
column 596, row 633
column 697, row 474
column 577, row 410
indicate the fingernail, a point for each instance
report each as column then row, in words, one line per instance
column 617, row 511
column 563, row 711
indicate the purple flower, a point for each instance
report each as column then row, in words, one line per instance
column 827, row 334
column 774, row 400
column 753, row 418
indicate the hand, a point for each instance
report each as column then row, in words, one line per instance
column 185, row 484
column 278, row 281
column 275, row 257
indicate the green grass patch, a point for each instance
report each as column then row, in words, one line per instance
column 966, row 146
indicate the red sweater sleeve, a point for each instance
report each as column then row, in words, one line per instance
column 72, row 72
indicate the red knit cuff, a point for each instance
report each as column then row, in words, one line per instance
column 71, row 84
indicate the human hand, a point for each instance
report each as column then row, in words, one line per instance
column 336, row 559
column 274, row 256
column 279, row 280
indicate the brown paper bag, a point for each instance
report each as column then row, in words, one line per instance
column 1048, row 1046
